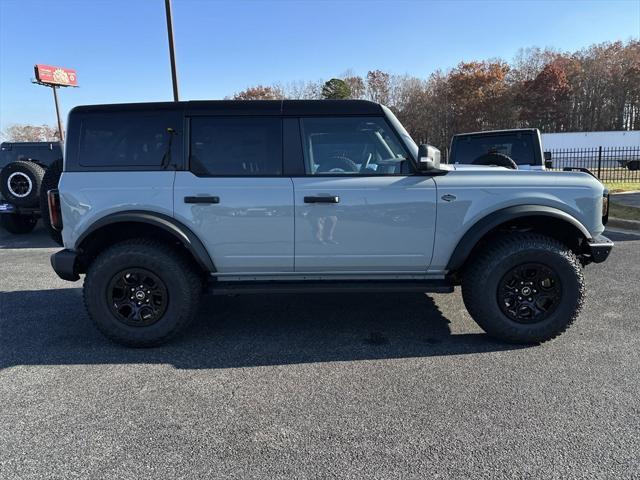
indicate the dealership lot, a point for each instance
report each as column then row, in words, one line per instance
column 304, row 386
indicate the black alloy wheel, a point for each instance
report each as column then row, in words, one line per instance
column 137, row 297
column 529, row 293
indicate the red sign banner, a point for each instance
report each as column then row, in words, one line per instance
column 56, row 75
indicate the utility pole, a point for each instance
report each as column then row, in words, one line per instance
column 172, row 52
column 55, row 99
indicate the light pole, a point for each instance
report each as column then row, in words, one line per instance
column 172, row 52
column 55, row 99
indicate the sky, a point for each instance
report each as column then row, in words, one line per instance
column 120, row 50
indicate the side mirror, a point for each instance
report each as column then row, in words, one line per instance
column 547, row 160
column 428, row 158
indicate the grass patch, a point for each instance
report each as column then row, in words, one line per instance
column 622, row 211
column 622, row 186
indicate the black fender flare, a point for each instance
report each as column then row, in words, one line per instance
column 181, row 232
column 483, row 226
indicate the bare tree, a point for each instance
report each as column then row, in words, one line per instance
column 30, row 133
column 378, row 87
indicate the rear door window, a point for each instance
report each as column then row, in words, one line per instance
column 128, row 139
column 236, row 146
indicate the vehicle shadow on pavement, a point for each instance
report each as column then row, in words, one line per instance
column 50, row 327
column 39, row 238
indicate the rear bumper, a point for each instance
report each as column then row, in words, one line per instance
column 10, row 209
column 599, row 248
column 65, row 264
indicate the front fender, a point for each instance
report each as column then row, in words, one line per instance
column 478, row 230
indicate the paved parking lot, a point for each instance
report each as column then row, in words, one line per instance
column 316, row 386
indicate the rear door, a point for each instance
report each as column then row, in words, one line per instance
column 233, row 194
column 359, row 208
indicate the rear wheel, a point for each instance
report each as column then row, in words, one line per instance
column 524, row 288
column 18, row 223
column 141, row 293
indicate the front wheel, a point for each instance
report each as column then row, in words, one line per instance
column 141, row 293
column 524, row 288
column 18, row 224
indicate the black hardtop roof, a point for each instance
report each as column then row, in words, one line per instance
column 245, row 107
column 7, row 145
column 497, row 132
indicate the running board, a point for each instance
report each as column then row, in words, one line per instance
column 329, row 286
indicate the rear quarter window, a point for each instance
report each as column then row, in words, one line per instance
column 135, row 140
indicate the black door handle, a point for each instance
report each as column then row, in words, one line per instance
column 330, row 199
column 207, row 199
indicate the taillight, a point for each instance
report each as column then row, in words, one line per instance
column 605, row 207
column 55, row 215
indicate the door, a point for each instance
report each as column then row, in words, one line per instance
column 359, row 208
column 233, row 195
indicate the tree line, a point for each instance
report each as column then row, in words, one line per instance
column 593, row 89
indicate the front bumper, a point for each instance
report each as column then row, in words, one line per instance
column 65, row 264
column 599, row 248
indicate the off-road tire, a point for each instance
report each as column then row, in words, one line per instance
column 183, row 282
column 33, row 171
column 18, row 224
column 50, row 182
column 481, row 279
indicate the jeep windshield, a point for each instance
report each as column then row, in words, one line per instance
column 519, row 147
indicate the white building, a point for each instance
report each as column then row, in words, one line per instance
column 552, row 141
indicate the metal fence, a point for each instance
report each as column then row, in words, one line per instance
column 609, row 164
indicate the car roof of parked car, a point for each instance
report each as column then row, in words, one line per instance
column 246, row 107
column 497, row 132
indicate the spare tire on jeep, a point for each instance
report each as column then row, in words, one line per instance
column 20, row 183
column 497, row 159
column 50, row 182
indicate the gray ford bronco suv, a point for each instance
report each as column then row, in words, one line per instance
column 158, row 203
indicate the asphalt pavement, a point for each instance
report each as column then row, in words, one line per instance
column 316, row 386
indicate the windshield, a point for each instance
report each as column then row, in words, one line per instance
column 406, row 138
column 519, row 147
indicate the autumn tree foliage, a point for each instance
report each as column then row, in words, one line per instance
column 259, row 92
column 596, row 88
column 546, row 100
column 478, row 95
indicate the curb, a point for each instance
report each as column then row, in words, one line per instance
column 622, row 223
